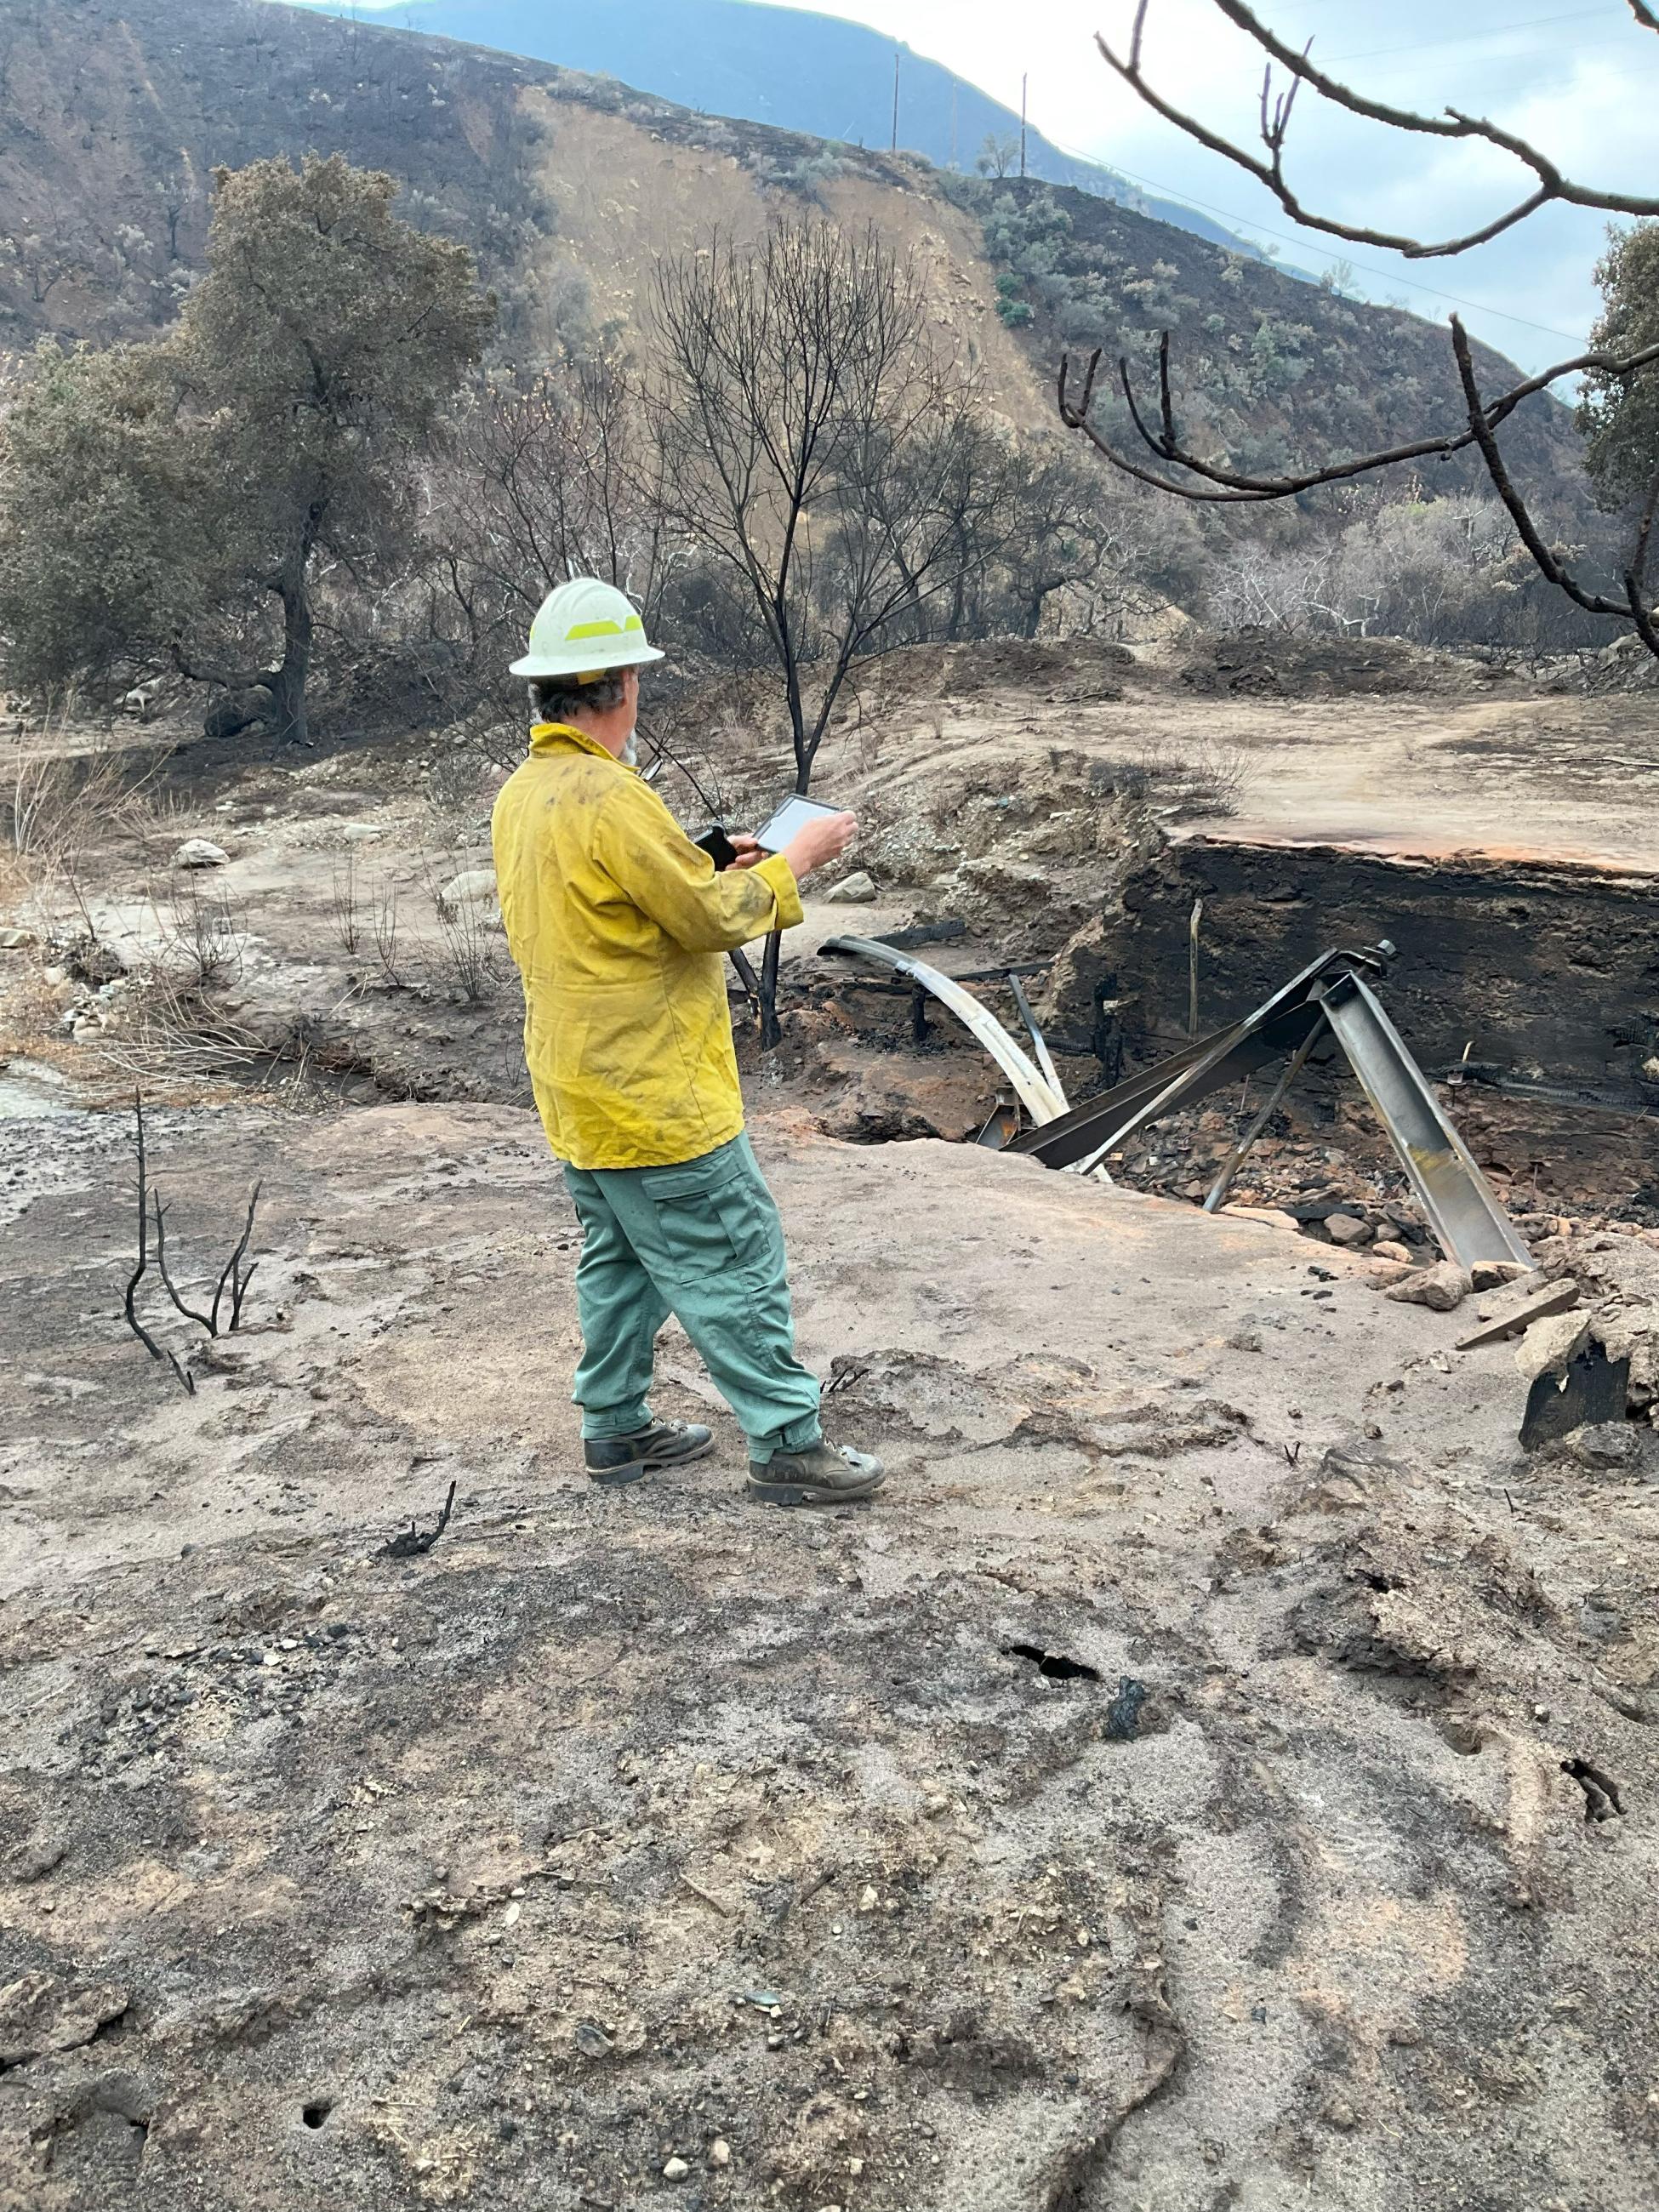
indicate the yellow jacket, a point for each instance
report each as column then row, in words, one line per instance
column 619, row 924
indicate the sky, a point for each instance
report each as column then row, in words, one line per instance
column 1579, row 78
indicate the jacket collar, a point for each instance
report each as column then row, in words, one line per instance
column 553, row 736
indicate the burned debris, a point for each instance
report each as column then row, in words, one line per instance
column 1331, row 1000
column 415, row 1543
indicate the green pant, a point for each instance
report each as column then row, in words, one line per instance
column 701, row 1240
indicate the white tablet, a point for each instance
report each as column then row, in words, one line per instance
column 793, row 814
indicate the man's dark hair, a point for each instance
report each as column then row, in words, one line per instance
column 556, row 698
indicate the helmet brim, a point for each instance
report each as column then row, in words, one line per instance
column 565, row 663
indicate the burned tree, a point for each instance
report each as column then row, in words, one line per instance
column 543, row 477
column 1621, row 370
column 794, row 387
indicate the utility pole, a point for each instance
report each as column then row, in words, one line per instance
column 896, row 85
column 1023, row 82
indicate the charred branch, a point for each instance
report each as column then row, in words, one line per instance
column 414, row 1543
column 1236, row 487
column 238, row 1272
column 157, row 1353
column 189, row 1312
column 1277, row 109
column 235, row 1275
column 1632, row 608
column 1208, row 482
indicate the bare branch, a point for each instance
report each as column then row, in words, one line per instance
column 1552, row 184
column 129, row 1307
column 188, row 1312
column 1239, row 487
column 232, row 1274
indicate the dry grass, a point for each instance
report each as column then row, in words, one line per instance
column 384, row 931
column 175, row 1029
column 345, row 903
column 1206, row 776
column 56, row 799
column 201, row 935
column 467, row 956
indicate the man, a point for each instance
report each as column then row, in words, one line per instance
column 619, row 926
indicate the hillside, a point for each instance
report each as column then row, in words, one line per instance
column 787, row 67
column 570, row 189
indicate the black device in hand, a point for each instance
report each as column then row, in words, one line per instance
column 718, row 846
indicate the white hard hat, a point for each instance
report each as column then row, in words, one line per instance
column 584, row 628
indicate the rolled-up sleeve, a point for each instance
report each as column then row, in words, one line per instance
column 705, row 910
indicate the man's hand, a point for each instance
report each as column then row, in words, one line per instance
column 824, row 838
column 749, row 851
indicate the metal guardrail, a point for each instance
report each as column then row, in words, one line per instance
column 1044, row 1101
column 1331, row 997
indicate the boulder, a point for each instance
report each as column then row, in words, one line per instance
column 1517, row 1318
column 856, row 890
column 1605, row 1448
column 1347, row 1228
column 472, row 887
column 17, row 940
column 1387, row 1248
column 362, row 833
column 1441, row 1289
column 1550, row 1344
column 200, row 853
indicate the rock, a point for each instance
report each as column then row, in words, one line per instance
column 1607, row 1447
column 362, row 833
column 1386, row 1248
column 677, row 2170
column 40, row 2015
column 237, row 711
column 720, row 2152
column 857, row 890
column 472, row 887
column 1025, row 889
column 17, row 940
column 1493, row 1274
column 200, row 853
column 1550, row 1346
column 1557, row 1298
column 1441, row 1289
column 590, row 2039
column 1346, row 1229
column 1385, row 1273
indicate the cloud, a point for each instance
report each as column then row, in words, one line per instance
column 1580, row 81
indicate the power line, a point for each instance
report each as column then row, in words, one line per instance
column 1466, row 37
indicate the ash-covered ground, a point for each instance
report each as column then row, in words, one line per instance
column 1220, row 1769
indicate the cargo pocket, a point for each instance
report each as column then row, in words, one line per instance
column 713, row 1228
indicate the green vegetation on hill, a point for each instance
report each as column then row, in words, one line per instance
column 1266, row 370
